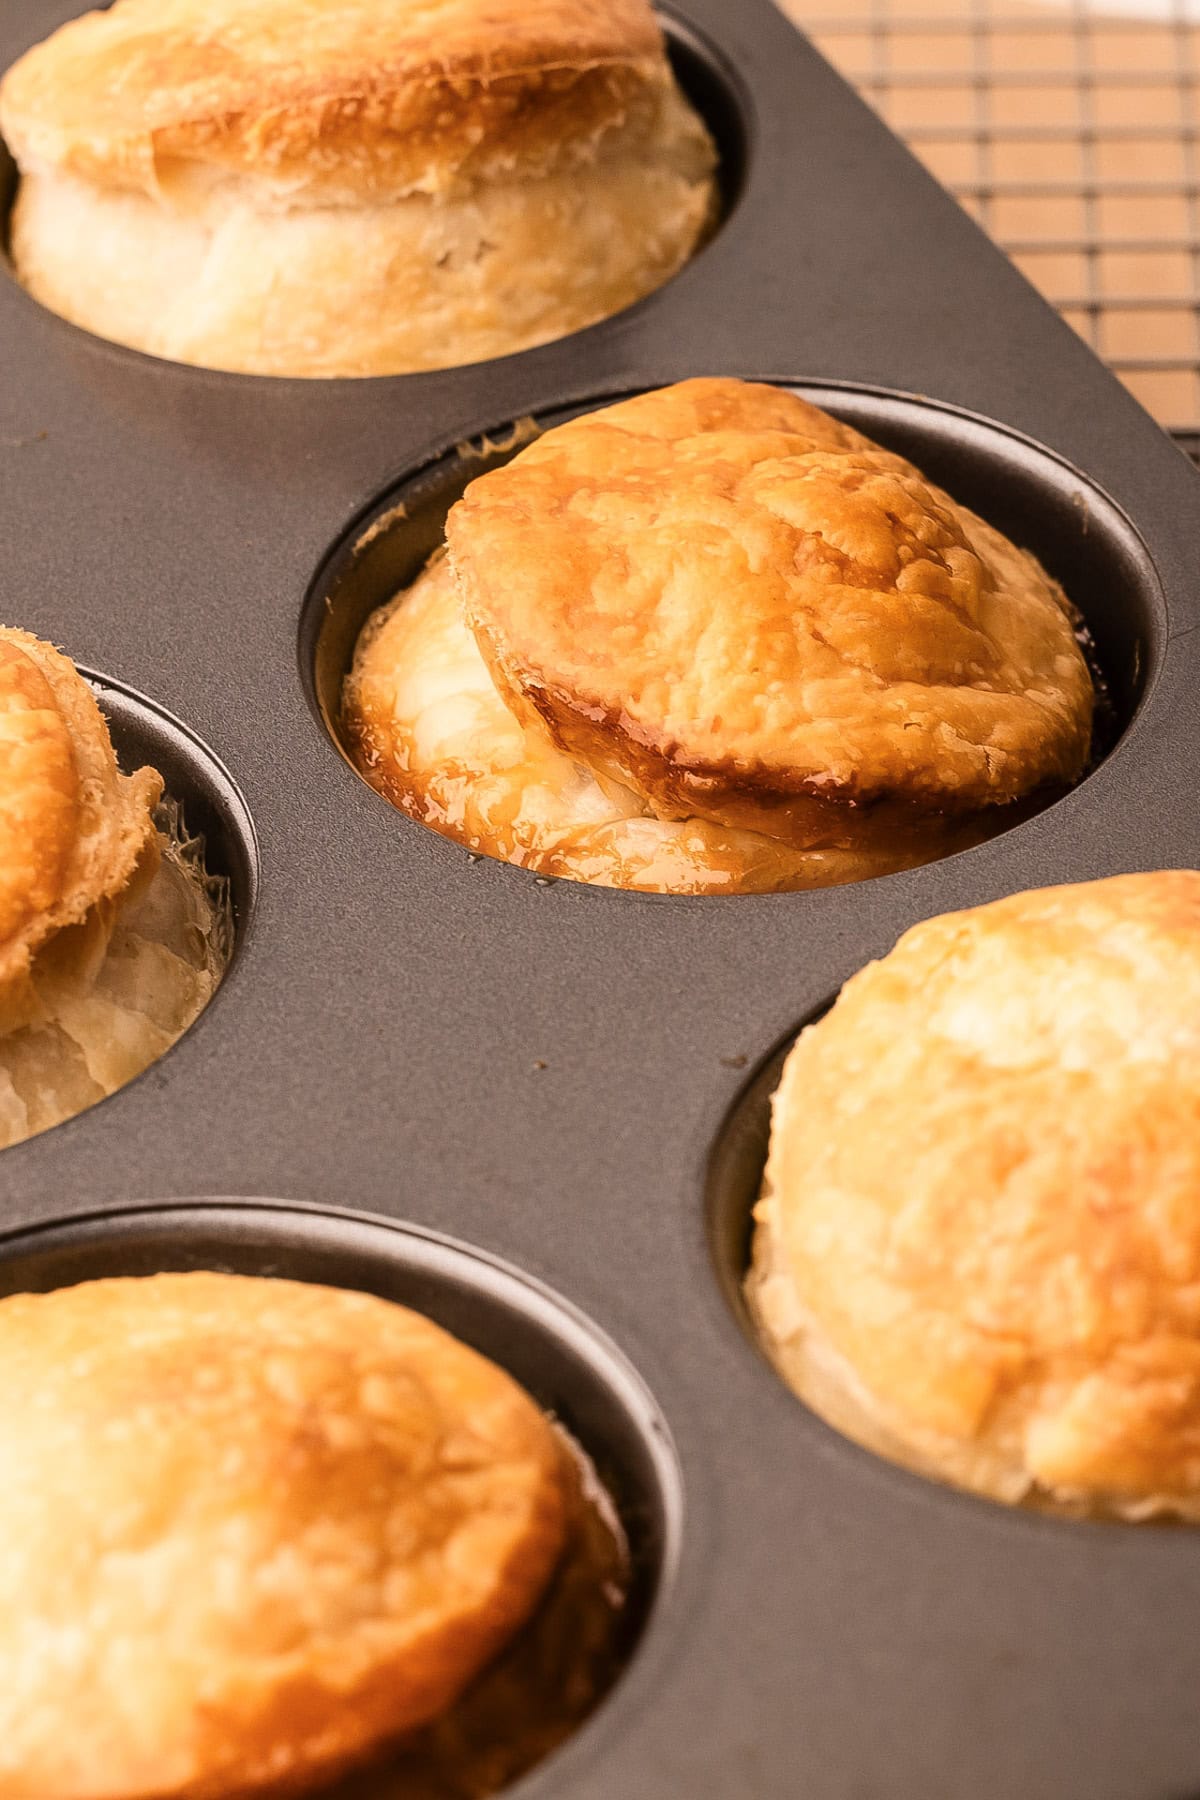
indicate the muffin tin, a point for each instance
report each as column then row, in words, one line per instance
column 415, row 1046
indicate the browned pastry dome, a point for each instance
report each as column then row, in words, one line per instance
column 337, row 96
column 751, row 613
column 252, row 1529
column 712, row 640
column 978, row 1248
column 329, row 187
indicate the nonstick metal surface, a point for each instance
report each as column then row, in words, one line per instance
column 547, row 1071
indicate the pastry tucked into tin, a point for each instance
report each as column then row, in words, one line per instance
column 254, row 1532
column 713, row 640
column 978, row 1246
column 112, row 936
column 352, row 187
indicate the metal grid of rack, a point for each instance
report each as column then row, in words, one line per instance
column 1073, row 136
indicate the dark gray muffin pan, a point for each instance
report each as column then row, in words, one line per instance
column 538, row 1109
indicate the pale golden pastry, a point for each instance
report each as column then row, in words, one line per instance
column 352, row 187
column 978, row 1246
column 112, row 937
column 252, row 1529
column 711, row 640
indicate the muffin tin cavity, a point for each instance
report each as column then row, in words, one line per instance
column 1043, row 504
column 706, row 79
column 734, row 1175
column 712, row 86
column 115, row 984
column 796, row 1276
column 576, row 1374
column 8, row 193
column 462, row 1049
column 205, row 792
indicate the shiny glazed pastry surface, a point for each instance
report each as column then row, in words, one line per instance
column 712, row 640
column 335, row 187
column 253, row 1529
column 112, row 938
column 978, row 1247
column 432, row 733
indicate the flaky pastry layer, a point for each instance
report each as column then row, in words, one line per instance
column 431, row 733
column 376, row 289
column 105, row 998
column 749, row 613
column 330, row 99
column 252, row 1529
column 978, row 1248
column 113, row 937
column 315, row 189
column 73, row 828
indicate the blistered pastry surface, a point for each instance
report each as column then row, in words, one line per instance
column 749, row 612
column 351, row 100
column 983, row 1195
column 251, row 1529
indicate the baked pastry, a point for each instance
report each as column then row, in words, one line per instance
column 112, row 936
column 978, row 1247
column 350, row 187
column 542, row 1686
column 712, row 640
column 252, row 1530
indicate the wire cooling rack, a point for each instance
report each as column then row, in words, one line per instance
column 1073, row 136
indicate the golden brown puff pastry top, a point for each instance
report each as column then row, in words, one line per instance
column 72, row 827
column 429, row 731
column 984, row 1183
column 251, row 1528
column 751, row 613
column 337, row 99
